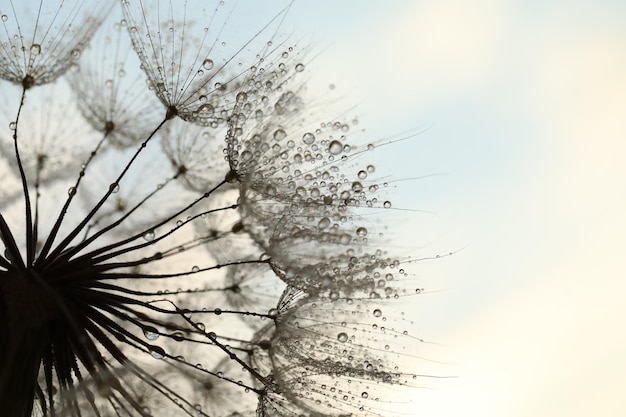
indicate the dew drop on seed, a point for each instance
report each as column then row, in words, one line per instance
column 207, row 64
column 195, row 268
column 345, row 239
column 149, row 235
column 361, row 231
column 308, row 138
column 71, row 191
column 342, row 337
column 5, row 18
column 364, row 395
column 157, row 352
column 35, row 49
column 299, row 67
column 362, row 175
column 272, row 312
column 279, row 134
column 377, row 313
column 12, row 125
column 323, row 223
column 335, row 147
column 206, row 110
column 151, row 333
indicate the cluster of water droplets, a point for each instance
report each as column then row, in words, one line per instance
column 218, row 231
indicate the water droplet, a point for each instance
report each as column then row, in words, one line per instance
column 357, row 187
column 71, row 191
column 323, row 223
column 157, row 352
column 272, row 312
column 241, row 97
column 12, row 125
column 149, row 235
column 5, row 18
column 279, row 134
column 387, row 204
column 342, row 337
column 377, row 313
column 35, row 49
column 308, row 138
column 335, row 147
column 151, row 333
column 299, row 67
column 217, row 311
column 207, row 64
column 114, row 188
column 361, row 231
column 345, row 239
column 206, row 110
column 364, row 395
column 195, row 268
column 75, row 53
column 362, row 175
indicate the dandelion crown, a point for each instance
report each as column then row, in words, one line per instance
column 186, row 230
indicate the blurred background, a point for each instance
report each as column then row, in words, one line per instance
column 519, row 109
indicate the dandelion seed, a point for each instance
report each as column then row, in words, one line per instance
column 186, row 231
column 41, row 40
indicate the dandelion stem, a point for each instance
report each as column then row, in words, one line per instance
column 30, row 244
column 61, row 216
column 62, row 260
column 65, row 242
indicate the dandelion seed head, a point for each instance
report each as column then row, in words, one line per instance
column 42, row 42
column 186, row 229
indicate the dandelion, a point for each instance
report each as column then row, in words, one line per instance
column 42, row 40
column 185, row 229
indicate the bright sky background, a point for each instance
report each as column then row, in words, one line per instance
column 525, row 101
